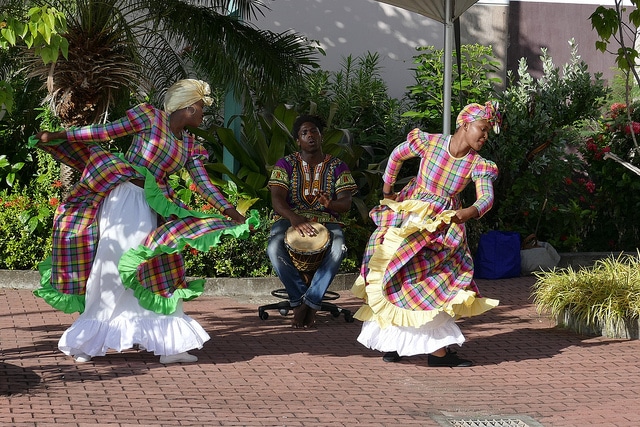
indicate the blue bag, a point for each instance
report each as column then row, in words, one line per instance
column 498, row 255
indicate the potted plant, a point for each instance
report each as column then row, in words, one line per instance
column 600, row 300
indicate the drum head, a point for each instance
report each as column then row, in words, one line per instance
column 307, row 244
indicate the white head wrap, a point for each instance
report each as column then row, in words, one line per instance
column 186, row 92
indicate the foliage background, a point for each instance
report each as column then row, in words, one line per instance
column 554, row 178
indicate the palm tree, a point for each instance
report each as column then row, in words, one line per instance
column 122, row 47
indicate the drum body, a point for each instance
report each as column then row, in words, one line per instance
column 307, row 252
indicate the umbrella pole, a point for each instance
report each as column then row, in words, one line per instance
column 448, row 67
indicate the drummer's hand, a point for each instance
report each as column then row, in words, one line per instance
column 305, row 228
column 324, row 198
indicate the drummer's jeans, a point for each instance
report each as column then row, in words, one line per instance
column 288, row 274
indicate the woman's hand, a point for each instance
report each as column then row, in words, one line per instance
column 464, row 215
column 234, row 215
column 45, row 136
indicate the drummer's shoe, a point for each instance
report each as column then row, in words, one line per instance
column 310, row 318
column 299, row 315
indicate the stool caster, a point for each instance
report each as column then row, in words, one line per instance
column 263, row 314
column 348, row 317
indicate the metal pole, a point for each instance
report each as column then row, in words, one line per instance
column 448, row 67
column 232, row 109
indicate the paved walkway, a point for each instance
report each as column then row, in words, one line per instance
column 256, row 372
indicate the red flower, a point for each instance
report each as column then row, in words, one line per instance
column 193, row 251
column 192, row 187
column 568, row 181
column 591, row 146
column 617, row 108
column 54, row 201
column 207, row 207
column 56, row 184
column 563, row 238
column 591, row 187
column 525, row 213
column 635, row 126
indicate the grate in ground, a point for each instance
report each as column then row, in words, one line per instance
column 501, row 421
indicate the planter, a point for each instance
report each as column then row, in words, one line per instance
column 627, row 329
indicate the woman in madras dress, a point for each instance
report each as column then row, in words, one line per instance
column 417, row 272
column 118, row 236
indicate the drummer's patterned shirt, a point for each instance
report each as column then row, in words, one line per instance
column 303, row 184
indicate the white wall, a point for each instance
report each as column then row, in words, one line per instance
column 353, row 27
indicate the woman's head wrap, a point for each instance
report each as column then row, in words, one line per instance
column 488, row 112
column 186, row 92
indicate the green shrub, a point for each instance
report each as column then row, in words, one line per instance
column 232, row 258
column 537, row 152
column 474, row 83
column 613, row 191
column 25, row 229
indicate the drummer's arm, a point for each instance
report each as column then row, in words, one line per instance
column 341, row 204
column 280, row 205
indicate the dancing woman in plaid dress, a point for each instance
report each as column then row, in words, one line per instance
column 118, row 236
column 417, row 271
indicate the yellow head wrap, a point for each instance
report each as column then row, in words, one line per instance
column 186, row 92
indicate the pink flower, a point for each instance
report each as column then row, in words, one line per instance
column 618, row 106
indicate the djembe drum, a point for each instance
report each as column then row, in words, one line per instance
column 307, row 252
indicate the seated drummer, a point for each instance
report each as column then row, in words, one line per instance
column 308, row 186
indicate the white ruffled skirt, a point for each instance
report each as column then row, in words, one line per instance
column 113, row 319
column 440, row 332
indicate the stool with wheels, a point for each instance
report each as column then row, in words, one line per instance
column 284, row 306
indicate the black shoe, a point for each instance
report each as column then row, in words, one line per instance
column 450, row 360
column 391, row 356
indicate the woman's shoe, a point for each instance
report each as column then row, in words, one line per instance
column 392, row 357
column 178, row 358
column 450, row 359
column 82, row 358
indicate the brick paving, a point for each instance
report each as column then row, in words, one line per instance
column 257, row 372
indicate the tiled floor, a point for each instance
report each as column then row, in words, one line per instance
column 260, row 372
